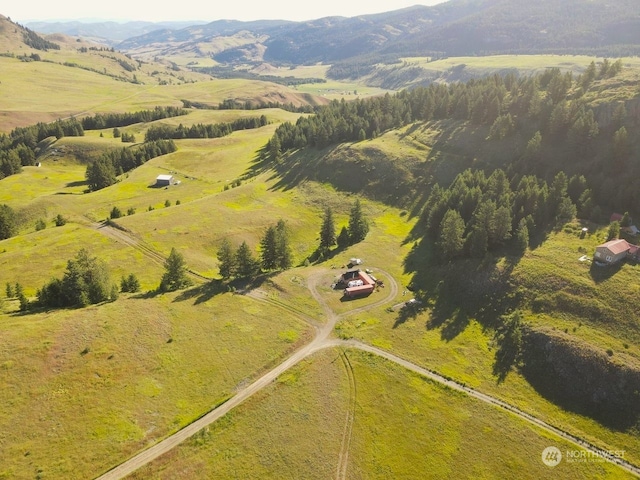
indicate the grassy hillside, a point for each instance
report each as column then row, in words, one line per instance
column 96, row 385
column 411, row 429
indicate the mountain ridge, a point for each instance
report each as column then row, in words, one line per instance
column 453, row 28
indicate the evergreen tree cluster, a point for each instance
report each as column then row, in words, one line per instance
column 233, row 104
column 86, row 281
column 544, row 114
column 355, row 232
column 103, row 172
column 112, row 120
column 477, row 214
column 275, row 254
column 158, row 132
column 19, row 148
column 507, row 101
column 33, row 40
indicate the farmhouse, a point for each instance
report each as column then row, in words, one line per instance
column 164, row 180
column 358, row 283
column 614, row 251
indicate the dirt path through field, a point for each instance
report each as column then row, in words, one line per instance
column 324, row 340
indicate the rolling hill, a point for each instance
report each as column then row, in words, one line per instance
column 509, row 347
column 453, row 28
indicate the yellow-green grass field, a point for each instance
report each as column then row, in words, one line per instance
column 85, row 389
column 401, row 426
column 44, row 92
column 523, row 63
column 463, row 350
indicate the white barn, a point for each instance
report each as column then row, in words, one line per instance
column 164, row 180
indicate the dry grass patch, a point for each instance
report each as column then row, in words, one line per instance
column 93, row 386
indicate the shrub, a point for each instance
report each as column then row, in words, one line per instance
column 115, row 213
column 60, row 220
column 40, row 225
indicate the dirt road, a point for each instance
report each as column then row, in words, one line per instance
column 324, row 340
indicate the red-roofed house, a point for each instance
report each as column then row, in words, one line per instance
column 614, row 251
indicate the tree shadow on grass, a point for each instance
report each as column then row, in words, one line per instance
column 202, row 293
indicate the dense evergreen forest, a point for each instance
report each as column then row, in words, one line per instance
column 547, row 120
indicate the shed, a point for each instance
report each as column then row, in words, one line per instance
column 164, row 180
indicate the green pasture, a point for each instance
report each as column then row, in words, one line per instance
column 403, row 426
column 44, row 92
column 528, row 64
column 337, row 90
column 461, row 348
column 33, row 259
column 85, row 389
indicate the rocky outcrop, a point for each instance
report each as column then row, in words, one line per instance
column 602, row 384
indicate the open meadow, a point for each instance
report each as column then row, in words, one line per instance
column 85, row 389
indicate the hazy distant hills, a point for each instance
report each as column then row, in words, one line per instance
column 454, row 28
column 109, row 33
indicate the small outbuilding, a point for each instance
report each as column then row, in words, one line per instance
column 164, row 180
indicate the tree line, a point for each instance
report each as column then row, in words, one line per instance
column 20, row 147
column 542, row 116
column 104, row 171
column 111, row 120
column 215, row 130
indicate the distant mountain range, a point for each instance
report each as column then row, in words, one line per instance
column 109, row 33
column 454, row 28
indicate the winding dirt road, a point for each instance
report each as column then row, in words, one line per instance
column 324, row 340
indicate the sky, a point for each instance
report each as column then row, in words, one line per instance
column 203, row 10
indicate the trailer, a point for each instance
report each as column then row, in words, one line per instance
column 359, row 291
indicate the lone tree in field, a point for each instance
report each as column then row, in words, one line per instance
column 226, row 257
column 358, row 224
column 327, row 231
column 175, row 276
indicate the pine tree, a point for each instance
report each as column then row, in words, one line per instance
column 283, row 249
column 450, row 240
column 343, row 238
column 327, row 230
column 8, row 222
column 175, row 276
column 268, row 247
column 358, row 224
column 522, row 236
column 227, row 259
column 246, row 264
